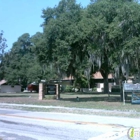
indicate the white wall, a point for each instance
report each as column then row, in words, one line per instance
column 100, row 87
column 8, row 88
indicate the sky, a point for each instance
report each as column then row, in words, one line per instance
column 24, row 16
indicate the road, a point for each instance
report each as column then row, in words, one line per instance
column 28, row 125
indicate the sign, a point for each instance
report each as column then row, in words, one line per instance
column 136, row 87
column 131, row 87
column 127, row 87
column 51, row 89
column 135, row 97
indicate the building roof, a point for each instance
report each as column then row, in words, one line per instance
column 98, row 75
column 3, row 82
column 68, row 78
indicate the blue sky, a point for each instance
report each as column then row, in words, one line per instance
column 24, row 16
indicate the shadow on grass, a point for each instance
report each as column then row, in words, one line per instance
column 13, row 96
column 96, row 99
column 83, row 93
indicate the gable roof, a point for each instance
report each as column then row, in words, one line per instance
column 3, row 82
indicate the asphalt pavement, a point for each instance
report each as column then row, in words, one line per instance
column 80, row 127
column 122, row 121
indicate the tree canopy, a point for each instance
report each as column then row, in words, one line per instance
column 77, row 41
column 20, row 63
column 3, row 46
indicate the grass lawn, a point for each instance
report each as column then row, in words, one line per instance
column 86, row 100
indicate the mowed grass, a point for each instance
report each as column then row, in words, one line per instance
column 86, row 100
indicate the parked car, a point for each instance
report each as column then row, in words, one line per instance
column 33, row 88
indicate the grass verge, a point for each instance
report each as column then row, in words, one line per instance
column 111, row 104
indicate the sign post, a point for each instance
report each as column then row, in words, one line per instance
column 123, row 97
column 127, row 87
column 136, row 94
column 57, row 91
column 41, row 91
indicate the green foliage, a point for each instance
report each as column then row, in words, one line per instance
column 78, row 41
column 68, row 88
column 21, row 65
column 81, row 82
column 3, row 44
column 61, row 34
column 94, row 89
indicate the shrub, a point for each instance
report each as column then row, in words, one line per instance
column 68, row 88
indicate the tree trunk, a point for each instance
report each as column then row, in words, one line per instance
column 106, row 84
column 105, row 77
column 117, row 81
column 105, row 71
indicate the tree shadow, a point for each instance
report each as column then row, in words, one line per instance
column 83, row 93
column 96, row 99
column 13, row 96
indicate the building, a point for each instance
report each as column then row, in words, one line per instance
column 5, row 88
column 98, row 79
